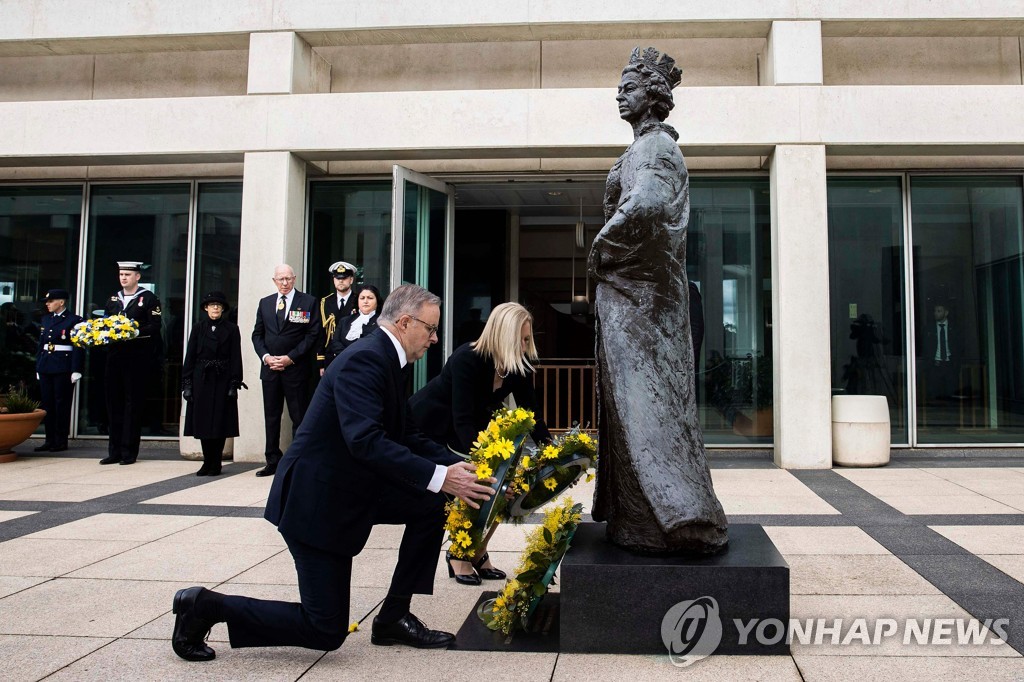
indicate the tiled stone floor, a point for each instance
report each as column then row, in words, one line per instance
column 90, row 558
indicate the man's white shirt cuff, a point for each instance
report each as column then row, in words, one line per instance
column 438, row 479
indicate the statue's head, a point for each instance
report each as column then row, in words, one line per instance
column 656, row 79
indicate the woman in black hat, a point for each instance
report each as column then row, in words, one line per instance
column 210, row 379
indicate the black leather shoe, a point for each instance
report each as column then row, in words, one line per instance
column 190, row 631
column 268, row 470
column 461, row 578
column 126, row 462
column 59, row 448
column 110, row 460
column 411, row 631
column 488, row 573
column 45, row 447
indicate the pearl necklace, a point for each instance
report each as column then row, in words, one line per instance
column 500, row 375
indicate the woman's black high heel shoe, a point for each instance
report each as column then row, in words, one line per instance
column 470, row 579
column 487, row 573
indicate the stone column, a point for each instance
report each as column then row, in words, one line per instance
column 800, row 310
column 273, row 203
column 794, row 54
column 282, row 63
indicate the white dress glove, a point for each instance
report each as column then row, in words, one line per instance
column 37, row 376
column 75, row 376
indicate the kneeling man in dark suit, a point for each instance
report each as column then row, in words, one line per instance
column 356, row 461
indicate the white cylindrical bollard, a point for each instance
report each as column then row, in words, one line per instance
column 860, row 430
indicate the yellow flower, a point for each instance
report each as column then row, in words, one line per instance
column 520, row 414
column 550, row 483
column 585, row 439
column 467, row 524
column 483, row 471
column 525, row 461
column 462, row 537
column 499, row 603
column 353, row 627
column 590, row 477
column 504, row 447
column 526, row 487
column 550, row 452
column 492, row 429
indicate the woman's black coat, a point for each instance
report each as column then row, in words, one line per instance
column 455, row 406
column 213, row 365
column 339, row 342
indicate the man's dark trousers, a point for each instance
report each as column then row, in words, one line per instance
column 287, row 385
column 56, row 391
column 321, row 620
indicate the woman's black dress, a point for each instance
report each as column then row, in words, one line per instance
column 213, row 364
column 457, row 404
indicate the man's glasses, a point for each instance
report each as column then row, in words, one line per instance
column 283, row 280
column 431, row 328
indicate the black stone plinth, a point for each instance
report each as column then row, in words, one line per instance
column 542, row 637
column 613, row 601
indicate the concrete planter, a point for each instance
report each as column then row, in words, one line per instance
column 15, row 430
column 860, row 430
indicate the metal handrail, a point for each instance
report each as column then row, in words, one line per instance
column 567, row 391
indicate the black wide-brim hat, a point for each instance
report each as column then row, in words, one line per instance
column 215, row 297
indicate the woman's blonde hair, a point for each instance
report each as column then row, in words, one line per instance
column 500, row 339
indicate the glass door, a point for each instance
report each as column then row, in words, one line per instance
column 422, row 227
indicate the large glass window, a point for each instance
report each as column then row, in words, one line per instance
column 968, row 261
column 147, row 223
column 218, row 234
column 351, row 222
column 865, row 225
column 729, row 263
column 39, row 228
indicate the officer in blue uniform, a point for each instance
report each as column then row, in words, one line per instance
column 58, row 368
column 130, row 363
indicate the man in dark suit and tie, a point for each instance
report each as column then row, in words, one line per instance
column 356, row 462
column 286, row 328
column 58, row 368
column 943, row 347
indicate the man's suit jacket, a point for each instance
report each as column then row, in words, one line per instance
column 357, row 441
column 954, row 337
column 294, row 338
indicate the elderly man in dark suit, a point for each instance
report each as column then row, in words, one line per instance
column 287, row 327
column 356, row 462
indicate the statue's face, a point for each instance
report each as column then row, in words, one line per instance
column 632, row 97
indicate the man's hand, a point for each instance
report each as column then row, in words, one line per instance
column 461, row 481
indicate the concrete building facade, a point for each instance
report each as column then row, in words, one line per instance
column 856, row 169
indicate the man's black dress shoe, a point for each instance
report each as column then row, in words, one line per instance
column 59, row 448
column 268, row 470
column 126, row 462
column 110, row 460
column 189, row 637
column 45, row 447
column 411, row 631
column 488, row 573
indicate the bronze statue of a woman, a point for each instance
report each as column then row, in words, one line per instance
column 653, row 488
